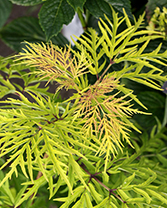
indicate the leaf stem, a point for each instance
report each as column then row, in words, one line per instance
column 105, row 72
column 111, row 191
column 82, row 19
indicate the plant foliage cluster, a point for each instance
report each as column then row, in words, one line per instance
column 90, row 149
column 105, row 146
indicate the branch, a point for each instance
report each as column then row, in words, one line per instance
column 111, row 191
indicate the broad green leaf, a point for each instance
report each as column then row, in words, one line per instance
column 26, row 29
column 118, row 6
column 59, row 40
column 21, row 29
column 5, row 9
column 77, row 4
column 53, row 15
column 26, row 2
column 98, row 8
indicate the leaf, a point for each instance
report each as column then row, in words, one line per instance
column 77, row 169
column 157, row 196
column 5, row 190
column 119, row 5
column 123, row 195
column 163, row 160
column 59, row 40
column 96, row 196
column 135, row 200
column 20, row 194
column 91, row 44
column 5, row 10
column 26, row 29
column 53, row 15
column 34, row 188
column 77, row 4
column 21, row 29
column 56, row 163
column 29, row 162
column 128, row 180
column 77, row 192
column 103, row 203
column 98, row 8
column 143, row 193
column 88, row 201
column 26, row 2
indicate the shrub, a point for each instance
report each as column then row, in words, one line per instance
column 87, row 150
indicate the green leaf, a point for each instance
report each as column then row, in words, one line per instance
column 143, row 193
column 59, row 40
column 26, row 29
column 34, row 188
column 5, row 189
column 26, row 2
column 98, row 8
column 88, row 201
column 91, row 50
column 78, row 171
column 57, row 164
column 20, row 194
column 77, row 192
column 119, row 5
column 77, row 4
column 96, row 196
column 53, row 15
column 157, row 195
column 163, row 160
column 103, row 203
column 21, row 29
column 135, row 200
column 5, row 9
column 128, row 180
column 123, row 195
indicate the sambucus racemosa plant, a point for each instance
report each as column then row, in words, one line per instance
column 84, row 147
